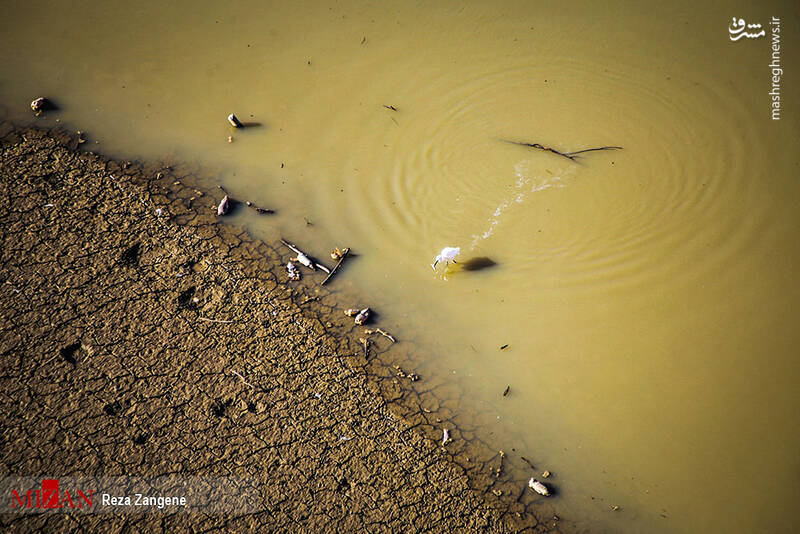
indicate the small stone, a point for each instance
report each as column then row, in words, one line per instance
column 39, row 104
column 362, row 317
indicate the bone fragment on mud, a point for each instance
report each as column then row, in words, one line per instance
column 223, row 207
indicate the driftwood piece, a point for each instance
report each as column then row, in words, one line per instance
column 499, row 470
column 572, row 156
column 384, row 333
column 343, row 255
column 258, row 209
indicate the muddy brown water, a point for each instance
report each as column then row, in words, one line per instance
column 647, row 296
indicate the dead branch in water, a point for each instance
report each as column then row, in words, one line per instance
column 342, row 256
column 258, row 209
column 572, row 156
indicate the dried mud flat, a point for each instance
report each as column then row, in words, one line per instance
column 139, row 342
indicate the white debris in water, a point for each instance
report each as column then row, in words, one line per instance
column 158, row 212
column 302, row 258
column 222, row 209
column 447, row 255
column 538, row 487
column 445, row 437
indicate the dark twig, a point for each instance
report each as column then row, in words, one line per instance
column 365, row 343
column 572, row 156
column 247, row 203
column 390, row 107
column 593, row 149
column 528, row 462
column 345, row 252
column 259, row 210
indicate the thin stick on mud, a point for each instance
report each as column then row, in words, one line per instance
column 384, row 333
column 364, row 341
column 572, row 156
column 345, row 252
column 245, row 382
column 499, row 470
column 528, row 462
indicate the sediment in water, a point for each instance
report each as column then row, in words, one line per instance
column 140, row 336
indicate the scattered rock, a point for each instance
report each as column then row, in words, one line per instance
column 40, row 104
column 362, row 317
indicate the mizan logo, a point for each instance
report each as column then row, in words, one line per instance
column 49, row 496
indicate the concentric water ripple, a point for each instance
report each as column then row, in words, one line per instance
column 623, row 217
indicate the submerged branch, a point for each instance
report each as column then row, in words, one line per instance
column 572, row 156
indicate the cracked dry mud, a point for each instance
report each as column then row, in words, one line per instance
column 110, row 366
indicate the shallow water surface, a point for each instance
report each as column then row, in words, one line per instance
column 647, row 296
